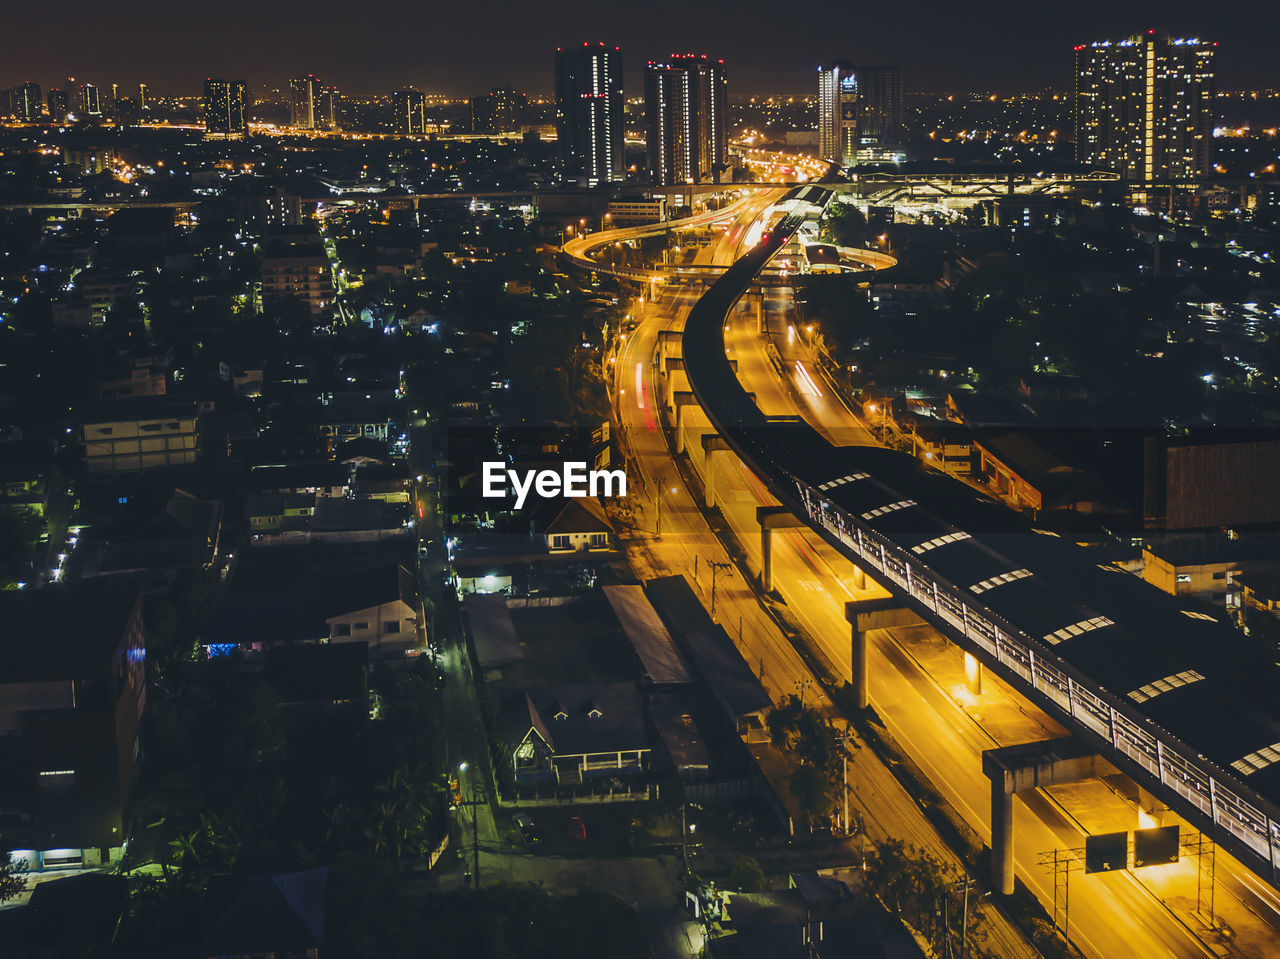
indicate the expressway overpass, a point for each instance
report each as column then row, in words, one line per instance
column 1158, row 689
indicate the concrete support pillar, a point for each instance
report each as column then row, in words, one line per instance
column 712, row 444
column 1026, row 766
column 972, row 674
column 771, row 518
column 859, row 578
column 1001, row 838
column 766, row 556
column 858, row 667
column 680, row 400
column 865, row 615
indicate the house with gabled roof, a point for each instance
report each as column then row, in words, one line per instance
column 569, row 734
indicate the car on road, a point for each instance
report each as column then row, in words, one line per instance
column 577, row 828
column 528, row 831
column 455, row 791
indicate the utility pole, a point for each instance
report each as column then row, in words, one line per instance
column 801, row 684
column 715, row 567
column 475, row 824
column 844, row 777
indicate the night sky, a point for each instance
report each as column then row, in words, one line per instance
column 463, row 47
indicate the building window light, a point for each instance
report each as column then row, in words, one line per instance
column 1194, row 615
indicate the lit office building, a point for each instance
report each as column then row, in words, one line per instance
column 410, row 111
column 224, row 110
column 90, row 100
column 859, row 111
column 685, row 103
column 1144, row 106
column 27, row 105
column 143, row 101
column 589, row 122
column 328, row 108
column 837, row 112
column 304, row 92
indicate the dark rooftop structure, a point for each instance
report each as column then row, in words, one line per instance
column 251, row 915
column 323, row 676
column 62, row 632
column 75, row 916
column 716, row 659
column 492, row 631
column 662, row 661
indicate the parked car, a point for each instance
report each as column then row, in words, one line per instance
column 577, row 828
column 528, row 831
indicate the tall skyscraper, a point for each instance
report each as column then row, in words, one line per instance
column 304, row 96
column 224, row 109
column 1144, row 106
column 859, row 109
column 837, row 112
column 144, row 99
column 90, row 101
column 59, row 105
column 686, row 106
column 879, row 106
column 410, row 111
column 27, row 105
column 589, row 121
column 328, row 109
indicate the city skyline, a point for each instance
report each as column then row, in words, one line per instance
column 937, row 51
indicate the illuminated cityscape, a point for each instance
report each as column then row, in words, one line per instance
column 515, row 493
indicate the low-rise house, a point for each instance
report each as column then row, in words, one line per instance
column 277, row 512
column 379, row 607
column 1208, row 565
column 24, row 479
column 1033, row 477
column 323, row 479
column 941, row 444
column 566, row 735
column 573, row 525
column 188, row 534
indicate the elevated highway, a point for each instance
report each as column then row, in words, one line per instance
column 1163, row 691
